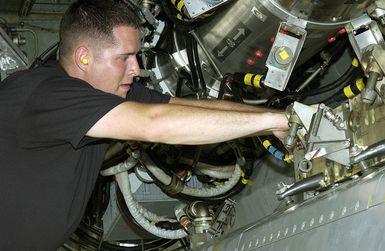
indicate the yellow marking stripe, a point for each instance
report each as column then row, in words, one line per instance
column 257, row 80
column 348, row 92
column 180, row 5
column 266, row 144
column 360, row 84
column 355, row 62
column 247, row 79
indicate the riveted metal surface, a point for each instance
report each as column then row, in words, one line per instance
column 349, row 216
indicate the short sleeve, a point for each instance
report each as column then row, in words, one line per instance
column 139, row 93
column 62, row 110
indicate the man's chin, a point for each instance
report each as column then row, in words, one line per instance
column 123, row 90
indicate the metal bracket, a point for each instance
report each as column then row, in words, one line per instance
column 195, row 8
column 323, row 151
column 363, row 32
column 377, row 11
column 284, row 53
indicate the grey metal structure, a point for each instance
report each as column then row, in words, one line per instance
column 349, row 216
column 259, row 21
column 11, row 58
column 255, row 36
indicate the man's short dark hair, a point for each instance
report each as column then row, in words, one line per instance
column 93, row 20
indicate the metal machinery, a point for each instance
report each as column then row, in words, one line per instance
column 321, row 61
column 11, row 57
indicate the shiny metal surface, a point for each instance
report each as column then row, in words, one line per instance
column 244, row 31
column 324, row 13
column 199, row 7
column 327, row 222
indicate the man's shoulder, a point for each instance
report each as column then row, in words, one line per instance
column 38, row 74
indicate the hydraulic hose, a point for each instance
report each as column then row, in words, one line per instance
column 348, row 92
column 248, row 170
column 148, row 214
column 273, row 150
column 372, row 151
column 218, row 174
column 203, row 192
column 124, row 185
column 124, row 166
column 215, row 191
column 304, row 185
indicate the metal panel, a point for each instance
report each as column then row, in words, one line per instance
column 349, row 216
column 11, row 58
column 149, row 196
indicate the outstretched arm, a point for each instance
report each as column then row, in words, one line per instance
column 183, row 124
column 232, row 106
column 219, row 105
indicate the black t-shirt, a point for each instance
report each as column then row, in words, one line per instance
column 48, row 167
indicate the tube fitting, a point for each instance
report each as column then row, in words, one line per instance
column 295, row 124
column 369, row 94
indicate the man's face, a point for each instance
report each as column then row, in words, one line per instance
column 114, row 68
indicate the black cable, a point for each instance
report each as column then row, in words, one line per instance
column 165, row 40
column 222, row 87
column 160, row 244
column 87, row 233
column 337, row 84
column 331, row 100
column 189, row 79
column 91, row 236
column 237, row 93
column 191, row 61
column 178, row 89
column 169, row 225
column 46, row 55
column 333, row 85
column 340, row 96
column 171, row 15
column 118, row 158
column 198, row 67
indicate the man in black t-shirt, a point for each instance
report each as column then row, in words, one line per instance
column 55, row 119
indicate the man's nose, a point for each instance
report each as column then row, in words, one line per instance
column 134, row 68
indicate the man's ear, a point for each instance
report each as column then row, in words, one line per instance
column 82, row 58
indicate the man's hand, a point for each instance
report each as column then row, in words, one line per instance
column 281, row 134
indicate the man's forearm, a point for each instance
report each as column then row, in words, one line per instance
column 183, row 124
column 220, row 105
column 196, row 125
